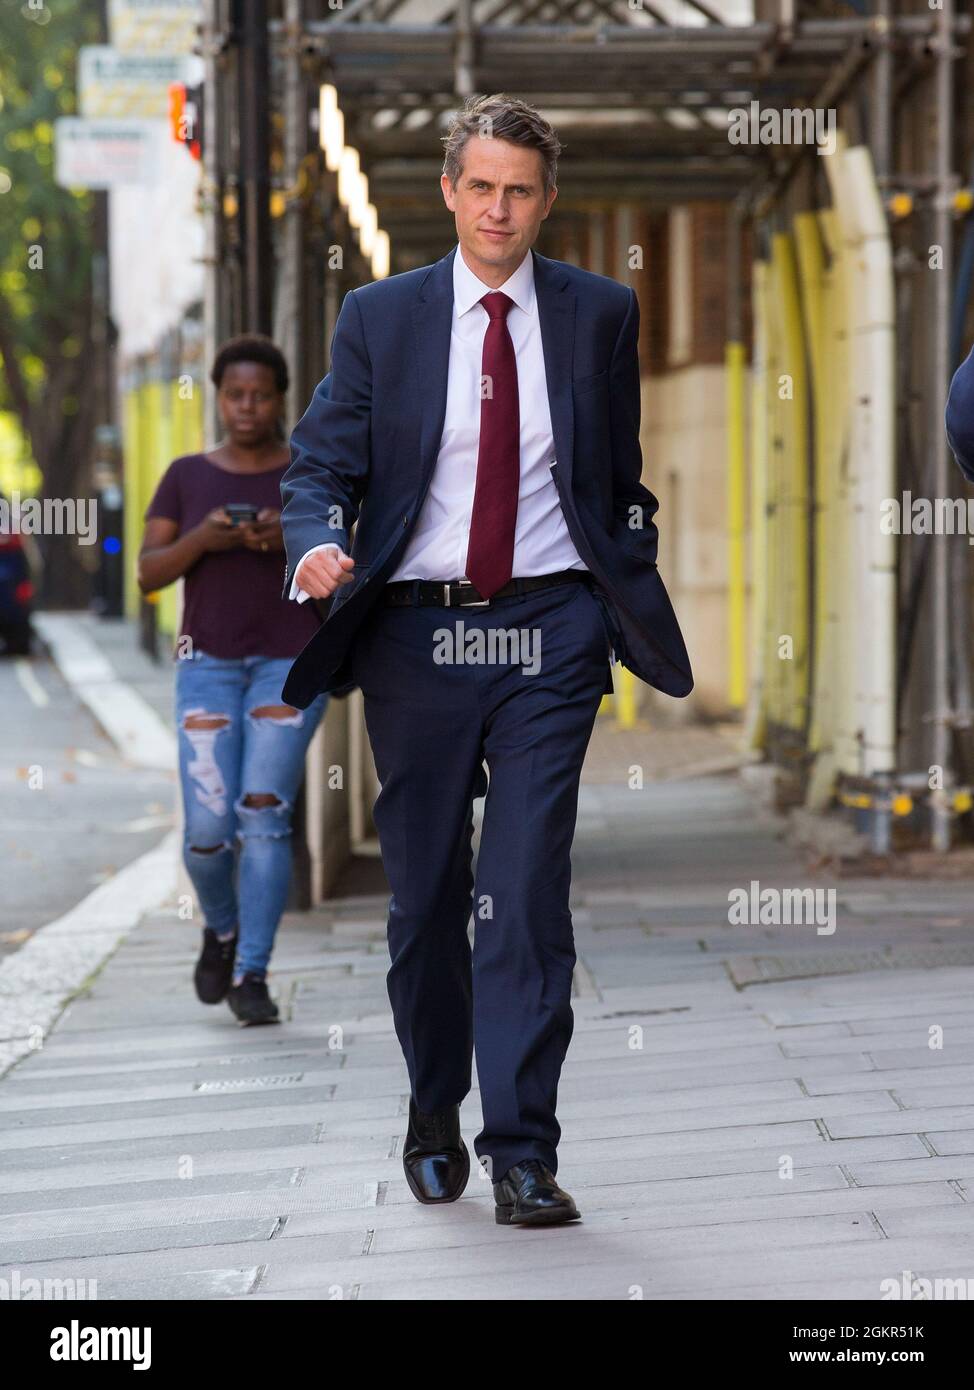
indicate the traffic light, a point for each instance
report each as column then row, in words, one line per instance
column 186, row 117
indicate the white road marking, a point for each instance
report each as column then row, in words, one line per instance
column 25, row 674
column 132, row 724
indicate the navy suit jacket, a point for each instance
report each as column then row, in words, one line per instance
column 959, row 416
column 365, row 450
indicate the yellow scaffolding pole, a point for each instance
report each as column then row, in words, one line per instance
column 841, row 556
column 757, row 713
column 774, row 620
column 626, row 698
column 736, row 508
column 133, row 418
column 161, row 421
column 812, row 270
column 792, row 494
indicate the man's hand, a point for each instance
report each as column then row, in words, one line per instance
column 321, row 573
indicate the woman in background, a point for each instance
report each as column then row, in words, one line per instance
column 215, row 521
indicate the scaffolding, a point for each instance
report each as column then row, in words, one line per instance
column 641, row 94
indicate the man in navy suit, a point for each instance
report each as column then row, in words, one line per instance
column 480, row 424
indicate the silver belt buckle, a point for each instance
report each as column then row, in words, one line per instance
column 464, row 583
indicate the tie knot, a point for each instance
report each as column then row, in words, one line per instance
column 497, row 304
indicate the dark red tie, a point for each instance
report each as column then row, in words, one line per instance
column 490, row 549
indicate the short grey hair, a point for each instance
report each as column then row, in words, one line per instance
column 500, row 117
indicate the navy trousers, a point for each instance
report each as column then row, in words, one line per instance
column 447, row 690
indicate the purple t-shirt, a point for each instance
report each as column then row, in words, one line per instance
column 232, row 604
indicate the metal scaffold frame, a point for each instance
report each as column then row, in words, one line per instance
column 640, row 103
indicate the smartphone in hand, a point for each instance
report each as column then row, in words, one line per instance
column 241, row 513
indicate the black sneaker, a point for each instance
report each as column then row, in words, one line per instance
column 251, row 1002
column 214, row 969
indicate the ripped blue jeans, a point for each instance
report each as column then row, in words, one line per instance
column 241, row 760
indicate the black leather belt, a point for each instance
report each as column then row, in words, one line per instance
column 460, row 593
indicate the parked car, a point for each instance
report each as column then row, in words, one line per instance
column 16, row 594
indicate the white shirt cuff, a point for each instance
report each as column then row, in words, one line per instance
column 297, row 593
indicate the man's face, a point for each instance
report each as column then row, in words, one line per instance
column 499, row 203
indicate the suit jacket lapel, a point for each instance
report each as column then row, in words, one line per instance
column 556, row 311
column 432, row 325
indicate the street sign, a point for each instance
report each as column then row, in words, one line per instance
column 107, row 153
column 111, row 83
column 154, row 26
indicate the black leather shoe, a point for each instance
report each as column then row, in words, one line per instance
column 528, row 1195
column 434, row 1157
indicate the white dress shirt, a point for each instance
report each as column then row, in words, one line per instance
column 437, row 548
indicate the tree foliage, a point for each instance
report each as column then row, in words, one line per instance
column 45, row 242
